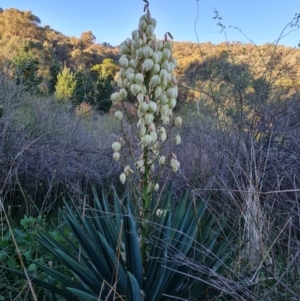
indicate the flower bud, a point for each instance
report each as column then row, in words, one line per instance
column 157, row 92
column 159, row 54
column 123, row 93
column 137, row 43
column 172, row 93
column 140, row 163
column 131, row 77
column 133, row 63
column 143, row 25
column 135, row 89
column 153, row 136
column 143, row 89
column 140, row 53
column 166, row 66
column 135, row 34
column 177, row 140
column 156, row 68
column 127, row 170
column 141, row 120
column 140, row 98
column 163, row 74
column 122, row 73
column 156, row 187
column 164, row 83
column 166, row 53
column 116, row 156
column 163, row 136
column 147, row 51
column 129, row 42
column 163, row 98
column 122, row 178
column 162, row 129
column 139, row 78
column 153, row 22
column 172, row 103
column 143, row 107
column 162, row 160
column 124, row 49
column 126, row 83
column 115, row 97
column 146, row 140
column 129, row 70
column 123, row 61
column 147, row 65
column 174, row 165
column 144, row 37
column 116, row 146
column 119, row 115
column 168, row 45
column 149, row 118
column 165, row 110
column 159, row 45
column 151, row 127
column 154, row 81
column 152, row 106
column 153, row 38
column 159, row 212
column 120, row 83
column 149, row 30
column 165, row 119
column 143, row 131
column 178, row 121
column 155, row 57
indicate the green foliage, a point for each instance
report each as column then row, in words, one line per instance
column 186, row 247
column 25, row 68
column 104, row 74
column 54, row 71
column 94, row 92
column 106, row 69
column 66, row 85
column 28, row 249
column 103, row 92
column 85, row 89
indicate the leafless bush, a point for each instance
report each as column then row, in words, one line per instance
column 47, row 152
column 253, row 176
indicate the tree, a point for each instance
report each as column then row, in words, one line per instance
column 24, row 24
column 66, row 84
column 26, row 68
column 104, row 88
column 104, row 73
column 85, row 88
column 54, row 71
column 107, row 68
column 87, row 38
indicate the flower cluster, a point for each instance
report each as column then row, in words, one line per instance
column 146, row 73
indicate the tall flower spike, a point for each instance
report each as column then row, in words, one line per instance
column 146, row 75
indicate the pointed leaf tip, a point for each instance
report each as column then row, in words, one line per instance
column 169, row 34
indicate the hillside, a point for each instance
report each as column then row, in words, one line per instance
column 23, row 38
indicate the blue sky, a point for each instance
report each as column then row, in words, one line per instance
column 112, row 21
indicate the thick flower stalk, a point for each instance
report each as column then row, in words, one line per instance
column 146, row 74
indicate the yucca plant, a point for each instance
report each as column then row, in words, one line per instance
column 187, row 252
column 159, row 251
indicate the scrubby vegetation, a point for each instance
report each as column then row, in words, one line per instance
column 228, row 228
